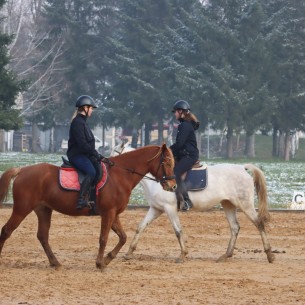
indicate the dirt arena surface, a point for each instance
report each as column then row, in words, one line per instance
column 153, row 277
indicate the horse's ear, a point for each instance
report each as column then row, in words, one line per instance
column 164, row 147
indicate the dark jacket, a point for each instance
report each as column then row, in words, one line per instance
column 186, row 143
column 81, row 139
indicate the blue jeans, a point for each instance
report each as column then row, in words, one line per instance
column 83, row 163
column 182, row 166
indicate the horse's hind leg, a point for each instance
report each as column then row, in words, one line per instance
column 151, row 215
column 11, row 225
column 230, row 211
column 253, row 216
column 44, row 215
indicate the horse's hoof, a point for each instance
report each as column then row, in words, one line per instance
column 128, row 257
column 179, row 260
column 270, row 256
column 102, row 268
column 221, row 259
column 98, row 265
column 107, row 260
column 56, row 266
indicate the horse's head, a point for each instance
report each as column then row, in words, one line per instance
column 163, row 168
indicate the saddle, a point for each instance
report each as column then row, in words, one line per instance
column 196, row 178
column 70, row 178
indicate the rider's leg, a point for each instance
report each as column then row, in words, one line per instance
column 85, row 165
column 187, row 203
column 181, row 167
column 83, row 193
column 98, row 176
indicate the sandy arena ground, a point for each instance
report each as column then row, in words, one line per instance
column 153, row 277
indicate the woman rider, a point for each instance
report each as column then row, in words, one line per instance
column 184, row 149
column 81, row 148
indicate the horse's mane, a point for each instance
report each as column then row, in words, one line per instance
column 144, row 148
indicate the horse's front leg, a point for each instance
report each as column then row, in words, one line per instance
column 171, row 211
column 106, row 223
column 118, row 229
column 151, row 215
column 44, row 215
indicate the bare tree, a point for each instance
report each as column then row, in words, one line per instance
column 41, row 68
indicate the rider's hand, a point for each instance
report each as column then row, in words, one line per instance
column 100, row 157
column 107, row 161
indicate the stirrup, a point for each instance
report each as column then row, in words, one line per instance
column 82, row 203
column 187, row 205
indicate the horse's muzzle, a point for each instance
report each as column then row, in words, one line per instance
column 174, row 188
column 167, row 187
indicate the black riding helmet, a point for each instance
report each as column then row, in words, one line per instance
column 181, row 105
column 85, row 100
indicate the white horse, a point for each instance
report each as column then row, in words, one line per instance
column 228, row 184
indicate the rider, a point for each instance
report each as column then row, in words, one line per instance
column 81, row 148
column 185, row 148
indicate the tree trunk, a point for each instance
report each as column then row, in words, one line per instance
column 281, row 146
column 147, row 134
column 237, row 141
column 160, row 130
column 275, row 143
column 287, row 146
column 52, row 144
column 250, row 145
column 229, row 143
column 134, row 139
column 2, row 141
column 104, row 134
column 221, row 141
column 35, row 138
column 170, row 134
column 294, row 144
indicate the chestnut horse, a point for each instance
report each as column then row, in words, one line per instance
column 36, row 188
column 229, row 184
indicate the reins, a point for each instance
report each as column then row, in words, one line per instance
column 137, row 173
column 164, row 177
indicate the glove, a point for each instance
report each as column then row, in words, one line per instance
column 100, row 157
column 107, row 161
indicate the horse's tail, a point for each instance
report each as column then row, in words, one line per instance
column 261, row 190
column 5, row 180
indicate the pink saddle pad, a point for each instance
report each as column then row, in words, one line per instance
column 68, row 178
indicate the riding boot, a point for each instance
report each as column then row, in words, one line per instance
column 85, row 186
column 92, row 194
column 187, row 203
column 182, row 197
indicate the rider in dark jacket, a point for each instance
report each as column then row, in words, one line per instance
column 81, row 148
column 185, row 148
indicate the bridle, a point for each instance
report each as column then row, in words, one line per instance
column 162, row 164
